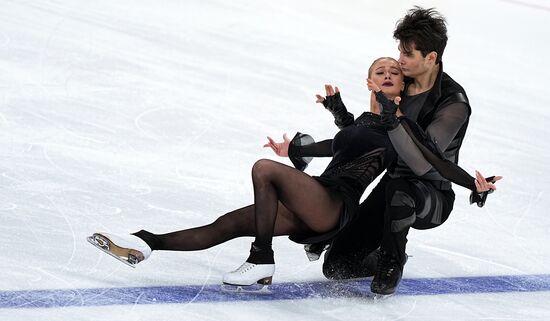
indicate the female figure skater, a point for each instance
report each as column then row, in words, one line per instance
column 288, row 201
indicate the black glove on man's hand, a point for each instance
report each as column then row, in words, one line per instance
column 389, row 108
column 336, row 106
column 481, row 198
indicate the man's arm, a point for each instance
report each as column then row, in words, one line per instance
column 442, row 130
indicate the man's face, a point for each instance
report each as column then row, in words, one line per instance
column 412, row 63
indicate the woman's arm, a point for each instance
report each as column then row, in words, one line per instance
column 301, row 149
column 333, row 103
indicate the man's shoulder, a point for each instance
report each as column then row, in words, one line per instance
column 452, row 91
column 448, row 84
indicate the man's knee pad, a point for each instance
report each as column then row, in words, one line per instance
column 401, row 198
column 402, row 211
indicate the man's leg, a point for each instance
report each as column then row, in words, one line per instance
column 409, row 203
column 347, row 256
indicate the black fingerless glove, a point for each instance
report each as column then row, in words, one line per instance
column 334, row 104
column 389, row 108
column 480, row 198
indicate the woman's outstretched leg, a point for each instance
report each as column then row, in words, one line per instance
column 276, row 188
column 287, row 202
column 241, row 222
column 237, row 223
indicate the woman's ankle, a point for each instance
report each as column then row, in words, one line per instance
column 261, row 253
column 149, row 238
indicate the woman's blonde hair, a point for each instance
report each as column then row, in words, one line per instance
column 377, row 60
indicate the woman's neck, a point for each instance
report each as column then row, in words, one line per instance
column 375, row 107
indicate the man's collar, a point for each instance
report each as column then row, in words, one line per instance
column 437, row 85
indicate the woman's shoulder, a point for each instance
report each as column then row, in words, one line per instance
column 368, row 119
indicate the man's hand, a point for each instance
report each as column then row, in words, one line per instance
column 281, row 149
column 484, row 187
column 486, row 184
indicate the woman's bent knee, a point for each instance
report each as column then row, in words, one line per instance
column 263, row 168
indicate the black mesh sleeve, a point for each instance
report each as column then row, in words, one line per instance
column 431, row 153
column 441, row 131
column 303, row 148
column 446, row 124
column 445, row 167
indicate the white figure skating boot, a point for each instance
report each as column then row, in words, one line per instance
column 250, row 273
column 252, row 277
column 129, row 249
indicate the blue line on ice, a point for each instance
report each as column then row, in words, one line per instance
column 280, row 291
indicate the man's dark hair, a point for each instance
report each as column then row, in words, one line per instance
column 423, row 30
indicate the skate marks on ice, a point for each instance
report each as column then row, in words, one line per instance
column 279, row 291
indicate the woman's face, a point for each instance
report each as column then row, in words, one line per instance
column 387, row 75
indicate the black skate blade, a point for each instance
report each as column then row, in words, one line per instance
column 104, row 247
column 251, row 289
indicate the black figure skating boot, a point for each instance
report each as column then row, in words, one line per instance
column 388, row 275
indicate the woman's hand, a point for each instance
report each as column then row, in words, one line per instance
column 485, row 184
column 329, row 91
column 372, row 86
column 333, row 103
column 281, row 149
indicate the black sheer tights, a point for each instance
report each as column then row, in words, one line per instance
column 286, row 202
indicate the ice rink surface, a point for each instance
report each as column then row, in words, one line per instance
column 122, row 115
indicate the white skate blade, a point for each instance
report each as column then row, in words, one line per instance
column 105, row 245
column 252, row 289
column 381, row 297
